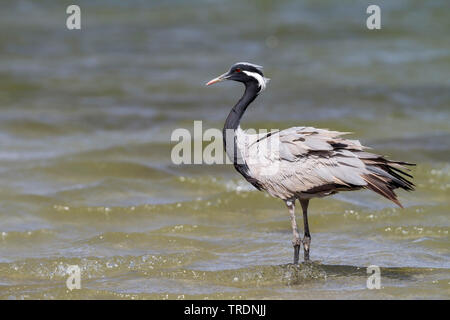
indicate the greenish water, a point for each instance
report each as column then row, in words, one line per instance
column 85, row 172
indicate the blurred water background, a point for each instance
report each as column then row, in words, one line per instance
column 86, row 176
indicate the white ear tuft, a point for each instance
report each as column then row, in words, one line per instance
column 262, row 81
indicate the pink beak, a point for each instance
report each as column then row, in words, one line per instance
column 218, row 79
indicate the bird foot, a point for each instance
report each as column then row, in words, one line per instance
column 296, row 243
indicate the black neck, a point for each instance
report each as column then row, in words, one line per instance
column 229, row 131
column 234, row 118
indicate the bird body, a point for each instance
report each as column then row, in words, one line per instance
column 309, row 162
column 301, row 163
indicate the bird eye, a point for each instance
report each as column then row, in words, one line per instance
column 238, row 70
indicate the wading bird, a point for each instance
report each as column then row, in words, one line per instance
column 306, row 162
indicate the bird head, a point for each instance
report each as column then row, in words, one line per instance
column 247, row 73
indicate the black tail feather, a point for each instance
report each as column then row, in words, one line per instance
column 386, row 176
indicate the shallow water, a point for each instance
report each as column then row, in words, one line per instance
column 85, row 171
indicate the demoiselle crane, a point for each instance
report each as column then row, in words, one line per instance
column 302, row 162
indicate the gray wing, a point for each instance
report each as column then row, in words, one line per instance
column 306, row 161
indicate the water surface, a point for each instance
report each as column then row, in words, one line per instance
column 86, row 176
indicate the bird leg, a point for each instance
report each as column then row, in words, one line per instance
column 307, row 237
column 296, row 241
